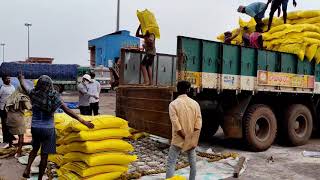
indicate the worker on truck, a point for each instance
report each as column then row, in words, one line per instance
column 256, row 10
column 255, row 39
column 276, row 5
column 229, row 37
column 150, row 49
column 185, row 116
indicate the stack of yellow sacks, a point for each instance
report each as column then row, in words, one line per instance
column 300, row 36
column 98, row 153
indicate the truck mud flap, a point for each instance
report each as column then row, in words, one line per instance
column 232, row 124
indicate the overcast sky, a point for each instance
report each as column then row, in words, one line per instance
column 61, row 28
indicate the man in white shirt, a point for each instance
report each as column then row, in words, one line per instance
column 85, row 95
column 5, row 91
column 94, row 89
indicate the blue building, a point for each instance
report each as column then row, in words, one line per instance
column 106, row 49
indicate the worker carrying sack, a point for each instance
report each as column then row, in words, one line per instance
column 148, row 23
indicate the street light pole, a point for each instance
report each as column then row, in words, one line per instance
column 118, row 16
column 2, row 44
column 28, row 27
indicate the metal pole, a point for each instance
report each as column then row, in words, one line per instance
column 2, row 44
column 28, row 27
column 118, row 16
column 28, row 43
column 3, row 53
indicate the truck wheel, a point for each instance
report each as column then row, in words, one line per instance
column 297, row 124
column 208, row 129
column 260, row 127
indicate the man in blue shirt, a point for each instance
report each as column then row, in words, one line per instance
column 255, row 10
column 276, row 4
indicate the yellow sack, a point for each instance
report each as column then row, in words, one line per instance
column 310, row 27
column 248, row 24
column 84, row 170
column 278, row 28
column 177, row 178
column 27, row 114
column 276, row 35
column 294, row 35
column 96, row 135
column 294, row 15
column 317, row 56
column 96, row 146
column 311, row 51
column 100, row 159
column 298, row 49
column 309, row 14
column 56, row 158
column 285, row 41
column 221, row 37
column 242, row 23
column 275, row 47
column 106, row 176
column 148, row 23
column 131, row 130
column 139, row 135
column 100, row 122
column 310, row 20
column 311, row 40
column 64, row 174
column 61, row 117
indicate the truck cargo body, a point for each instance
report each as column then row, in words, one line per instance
column 252, row 94
column 64, row 76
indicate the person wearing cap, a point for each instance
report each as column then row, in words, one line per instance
column 228, row 37
column 84, row 95
column 256, row 10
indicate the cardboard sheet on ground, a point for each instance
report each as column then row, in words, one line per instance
column 206, row 171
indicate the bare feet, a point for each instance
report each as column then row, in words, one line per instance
column 146, row 83
column 18, row 153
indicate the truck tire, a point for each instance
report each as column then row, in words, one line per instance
column 211, row 119
column 260, row 127
column 208, row 129
column 298, row 124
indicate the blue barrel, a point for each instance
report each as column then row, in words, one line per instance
column 58, row 72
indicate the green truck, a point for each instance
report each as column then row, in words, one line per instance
column 252, row 94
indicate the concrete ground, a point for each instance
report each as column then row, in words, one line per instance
column 288, row 162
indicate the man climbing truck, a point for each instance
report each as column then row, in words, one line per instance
column 253, row 94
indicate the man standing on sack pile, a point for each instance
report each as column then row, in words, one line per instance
column 185, row 116
column 94, row 89
column 84, row 95
column 276, row 5
column 16, row 104
column 5, row 91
